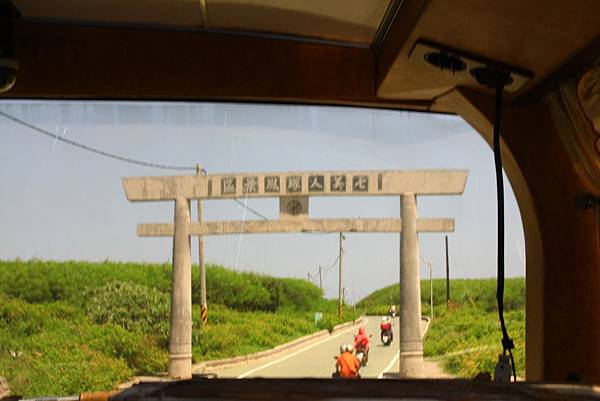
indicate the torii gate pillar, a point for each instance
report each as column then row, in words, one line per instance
column 411, row 342
column 180, row 340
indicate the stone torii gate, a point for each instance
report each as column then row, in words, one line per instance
column 294, row 190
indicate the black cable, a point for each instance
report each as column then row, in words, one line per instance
column 507, row 343
column 94, row 150
column 332, row 265
column 255, row 212
column 114, row 156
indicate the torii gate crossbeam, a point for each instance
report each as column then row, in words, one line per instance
column 298, row 226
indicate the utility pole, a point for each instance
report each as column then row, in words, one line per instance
column 430, row 286
column 320, row 278
column 341, row 290
column 447, row 277
column 431, row 290
column 203, row 304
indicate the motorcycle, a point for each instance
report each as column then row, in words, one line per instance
column 336, row 372
column 386, row 337
column 363, row 355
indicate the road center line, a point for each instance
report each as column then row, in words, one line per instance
column 266, row 365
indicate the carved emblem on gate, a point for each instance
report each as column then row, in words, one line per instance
column 294, row 207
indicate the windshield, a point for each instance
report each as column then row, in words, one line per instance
column 87, row 304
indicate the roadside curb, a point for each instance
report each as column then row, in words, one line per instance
column 210, row 366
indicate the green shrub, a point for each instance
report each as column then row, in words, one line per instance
column 232, row 333
column 79, row 326
column 131, row 306
column 40, row 281
column 466, row 337
column 54, row 349
column 480, row 293
column 250, row 291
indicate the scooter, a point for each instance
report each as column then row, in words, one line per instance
column 336, row 373
column 363, row 355
column 387, row 336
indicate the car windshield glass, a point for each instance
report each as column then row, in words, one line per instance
column 302, row 209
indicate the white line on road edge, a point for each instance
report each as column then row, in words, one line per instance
column 391, row 364
column 266, row 365
column 388, row 367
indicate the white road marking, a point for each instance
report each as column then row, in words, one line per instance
column 391, row 364
column 293, row 354
column 388, row 367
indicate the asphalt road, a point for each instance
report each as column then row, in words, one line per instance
column 316, row 359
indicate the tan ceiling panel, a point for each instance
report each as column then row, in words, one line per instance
column 535, row 35
column 344, row 20
column 184, row 13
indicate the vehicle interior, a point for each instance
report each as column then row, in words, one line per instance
column 528, row 69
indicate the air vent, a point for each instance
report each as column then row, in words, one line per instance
column 492, row 77
column 464, row 69
column 445, row 61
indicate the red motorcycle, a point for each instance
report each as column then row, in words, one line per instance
column 387, row 335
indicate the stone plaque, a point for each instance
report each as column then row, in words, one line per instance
column 228, row 185
column 338, row 183
column 272, row 183
column 250, row 185
column 293, row 183
column 293, row 207
column 360, row 183
column 312, row 183
column 316, row 183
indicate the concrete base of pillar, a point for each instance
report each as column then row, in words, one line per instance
column 411, row 364
column 180, row 366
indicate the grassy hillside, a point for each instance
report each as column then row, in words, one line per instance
column 47, row 281
column 465, row 338
column 479, row 293
column 68, row 327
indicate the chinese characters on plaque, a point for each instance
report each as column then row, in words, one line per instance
column 294, row 184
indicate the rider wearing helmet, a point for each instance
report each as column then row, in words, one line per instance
column 347, row 364
column 387, row 334
column 361, row 340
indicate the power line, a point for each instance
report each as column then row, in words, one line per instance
column 94, row 150
column 251, row 210
column 332, row 265
column 119, row 157
column 125, row 159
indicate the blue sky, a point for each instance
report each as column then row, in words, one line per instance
column 59, row 202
